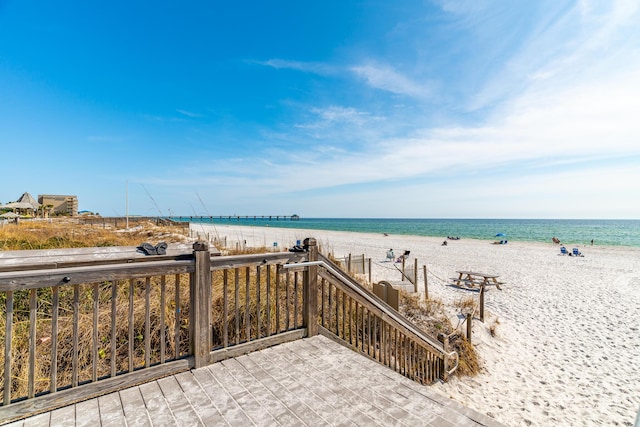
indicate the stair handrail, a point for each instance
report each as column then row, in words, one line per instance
column 347, row 280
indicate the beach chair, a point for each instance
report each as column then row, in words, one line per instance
column 390, row 255
column 575, row 252
column 563, row 251
column 404, row 256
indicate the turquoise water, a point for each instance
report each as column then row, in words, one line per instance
column 574, row 232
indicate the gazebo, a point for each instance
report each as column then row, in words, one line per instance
column 25, row 205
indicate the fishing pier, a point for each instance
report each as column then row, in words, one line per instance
column 238, row 217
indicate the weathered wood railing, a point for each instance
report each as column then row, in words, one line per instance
column 76, row 327
column 80, row 328
column 355, row 317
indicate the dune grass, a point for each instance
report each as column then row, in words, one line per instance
column 68, row 233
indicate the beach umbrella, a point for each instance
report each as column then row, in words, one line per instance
column 500, row 235
column 9, row 215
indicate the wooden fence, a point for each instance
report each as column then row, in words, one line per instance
column 86, row 327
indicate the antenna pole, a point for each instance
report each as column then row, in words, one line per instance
column 127, row 204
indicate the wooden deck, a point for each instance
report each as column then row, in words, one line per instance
column 312, row 382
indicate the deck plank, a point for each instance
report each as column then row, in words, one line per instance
column 199, row 399
column 156, row 405
column 134, row 408
column 88, row 413
column 343, row 403
column 111, row 412
column 302, row 386
column 64, row 417
column 366, row 378
column 182, row 410
column 352, row 381
column 251, row 406
column 267, row 400
column 301, row 409
column 42, row 420
column 225, row 403
column 19, row 423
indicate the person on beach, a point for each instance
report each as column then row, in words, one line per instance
column 403, row 256
column 390, row 255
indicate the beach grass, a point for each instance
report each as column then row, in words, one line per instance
column 68, row 233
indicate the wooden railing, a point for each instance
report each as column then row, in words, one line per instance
column 79, row 329
column 355, row 317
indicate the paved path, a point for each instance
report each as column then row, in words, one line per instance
column 310, row 382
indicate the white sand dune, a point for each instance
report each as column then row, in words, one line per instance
column 567, row 344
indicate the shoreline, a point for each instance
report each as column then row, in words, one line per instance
column 565, row 326
column 624, row 233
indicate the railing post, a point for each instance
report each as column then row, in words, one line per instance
column 445, row 358
column 200, row 305
column 426, row 283
column 482, row 290
column 310, row 313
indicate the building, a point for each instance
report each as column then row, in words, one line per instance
column 26, row 205
column 58, row 204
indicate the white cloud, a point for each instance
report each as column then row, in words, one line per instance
column 385, row 78
column 309, row 67
column 562, row 132
column 335, row 115
column 189, row 113
column 583, row 44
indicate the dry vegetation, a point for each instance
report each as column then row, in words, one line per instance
column 431, row 316
column 493, row 327
column 68, row 233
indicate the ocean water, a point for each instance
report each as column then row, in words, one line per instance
column 571, row 232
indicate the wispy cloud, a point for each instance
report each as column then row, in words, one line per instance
column 156, row 118
column 375, row 75
column 336, row 115
column 190, row 114
column 559, row 125
column 576, row 44
column 105, row 138
column 308, row 67
column 571, row 128
column 384, row 77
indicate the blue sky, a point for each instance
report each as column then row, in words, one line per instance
column 463, row 109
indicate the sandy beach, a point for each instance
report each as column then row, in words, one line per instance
column 567, row 345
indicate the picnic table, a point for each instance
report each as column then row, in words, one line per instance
column 471, row 279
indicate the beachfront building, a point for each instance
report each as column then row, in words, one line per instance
column 58, row 204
